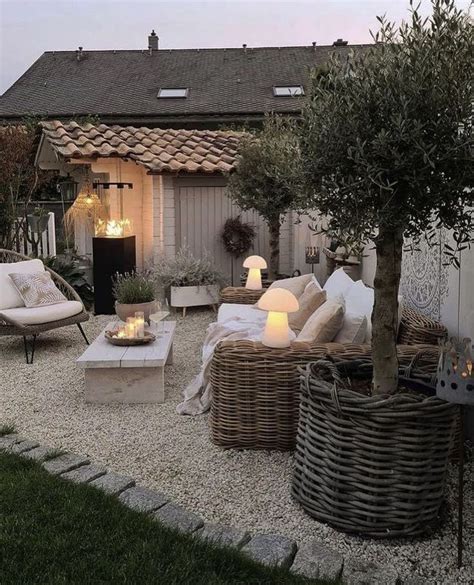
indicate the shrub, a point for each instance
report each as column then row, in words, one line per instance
column 133, row 288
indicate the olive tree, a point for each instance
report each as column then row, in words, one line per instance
column 267, row 177
column 386, row 146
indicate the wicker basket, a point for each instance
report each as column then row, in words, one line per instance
column 255, row 389
column 372, row 465
column 240, row 295
column 417, row 328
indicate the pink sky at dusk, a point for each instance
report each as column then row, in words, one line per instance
column 28, row 28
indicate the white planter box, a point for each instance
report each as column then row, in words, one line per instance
column 194, row 296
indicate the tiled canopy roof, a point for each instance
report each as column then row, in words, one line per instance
column 160, row 151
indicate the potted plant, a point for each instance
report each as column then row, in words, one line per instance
column 38, row 220
column 386, row 144
column 189, row 281
column 134, row 291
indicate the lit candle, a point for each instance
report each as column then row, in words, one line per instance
column 140, row 323
column 121, row 333
column 130, row 327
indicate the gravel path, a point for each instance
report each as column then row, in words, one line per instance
column 173, row 453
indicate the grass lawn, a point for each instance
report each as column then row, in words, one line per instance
column 54, row 531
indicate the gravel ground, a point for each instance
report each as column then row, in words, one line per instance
column 173, row 453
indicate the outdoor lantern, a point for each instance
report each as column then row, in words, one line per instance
column 278, row 302
column 67, row 187
column 254, row 279
column 455, row 372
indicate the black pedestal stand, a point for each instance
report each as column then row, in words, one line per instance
column 111, row 255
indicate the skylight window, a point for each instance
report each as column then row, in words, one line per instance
column 173, row 92
column 287, row 90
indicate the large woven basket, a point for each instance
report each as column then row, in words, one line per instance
column 240, row 295
column 372, row 465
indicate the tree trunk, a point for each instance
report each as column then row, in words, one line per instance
column 274, row 228
column 389, row 245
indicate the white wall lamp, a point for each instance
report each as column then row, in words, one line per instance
column 254, row 279
column 278, row 302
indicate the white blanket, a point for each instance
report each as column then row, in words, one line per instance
column 197, row 396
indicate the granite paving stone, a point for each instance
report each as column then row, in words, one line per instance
column 113, row 483
column 65, row 462
column 84, row 474
column 23, row 446
column 223, row 535
column 174, row 516
column 314, row 559
column 39, row 453
column 143, row 499
column 6, row 441
column 271, row 550
column 359, row 572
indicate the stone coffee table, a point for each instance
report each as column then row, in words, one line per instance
column 128, row 374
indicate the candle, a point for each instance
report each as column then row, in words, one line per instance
column 130, row 327
column 121, row 333
column 140, row 323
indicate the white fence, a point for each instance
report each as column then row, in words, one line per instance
column 47, row 240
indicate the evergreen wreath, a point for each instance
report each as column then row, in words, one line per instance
column 237, row 236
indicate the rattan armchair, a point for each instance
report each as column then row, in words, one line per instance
column 9, row 326
column 255, row 389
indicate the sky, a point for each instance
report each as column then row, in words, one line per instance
column 30, row 27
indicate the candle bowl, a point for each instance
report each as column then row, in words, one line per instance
column 112, row 338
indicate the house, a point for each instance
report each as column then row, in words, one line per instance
column 160, row 112
column 171, row 88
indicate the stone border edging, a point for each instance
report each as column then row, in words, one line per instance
column 312, row 559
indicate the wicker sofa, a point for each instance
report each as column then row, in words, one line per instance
column 29, row 323
column 255, row 389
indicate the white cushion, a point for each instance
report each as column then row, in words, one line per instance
column 360, row 301
column 338, row 284
column 354, row 329
column 295, row 284
column 324, row 324
column 248, row 313
column 9, row 296
column 40, row 315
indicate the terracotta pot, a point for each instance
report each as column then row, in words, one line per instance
column 123, row 310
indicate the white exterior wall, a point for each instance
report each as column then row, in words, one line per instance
column 302, row 237
column 164, row 217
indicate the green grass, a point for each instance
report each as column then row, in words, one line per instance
column 56, row 532
column 6, row 429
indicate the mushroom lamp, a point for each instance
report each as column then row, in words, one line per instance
column 254, row 278
column 278, row 302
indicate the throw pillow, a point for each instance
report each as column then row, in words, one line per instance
column 338, row 283
column 360, row 300
column 324, row 324
column 311, row 299
column 295, row 285
column 37, row 289
column 9, row 297
column 354, row 329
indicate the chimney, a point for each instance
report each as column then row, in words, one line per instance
column 153, row 41
column 314, row 45
column 79, row 54
column 244, row 47
column 339, row 43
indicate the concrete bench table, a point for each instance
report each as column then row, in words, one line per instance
column 127, row 374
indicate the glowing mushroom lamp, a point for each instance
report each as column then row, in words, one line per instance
column 278, row 302
column 254, row 278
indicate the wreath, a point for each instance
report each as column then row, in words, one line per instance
column 237, row 236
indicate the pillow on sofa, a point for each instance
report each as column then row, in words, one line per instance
column 325, row 323
column 360, row 301
column 295, row 285
column 311, row 299
column 338, row 284
column 37, row 289
column 9, row 296
column 354, row 329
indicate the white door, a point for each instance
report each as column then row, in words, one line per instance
column 202, row 210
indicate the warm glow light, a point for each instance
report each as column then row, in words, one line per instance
column 114, row 228
column 278, row 302
column 254, row 277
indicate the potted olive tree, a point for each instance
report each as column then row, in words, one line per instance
column 266, row 178
column 134, row 291
column 386, row 145
column 189, row 281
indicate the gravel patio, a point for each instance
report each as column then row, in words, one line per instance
column 173, row 453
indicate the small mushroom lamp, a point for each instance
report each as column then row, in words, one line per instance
column 254, row 278
column 278, row 302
